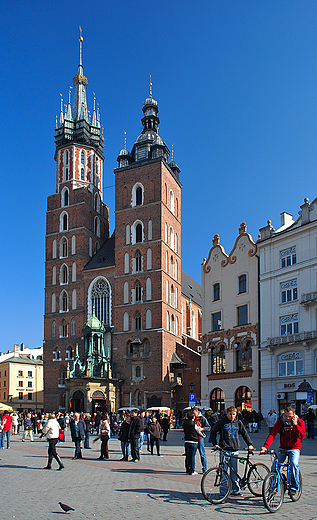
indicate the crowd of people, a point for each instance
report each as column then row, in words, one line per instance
column 136, row 429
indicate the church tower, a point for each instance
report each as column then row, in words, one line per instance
column 77, row 224
column 147, row 303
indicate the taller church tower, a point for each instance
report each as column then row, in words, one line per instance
column 147, row 303
column 77, row 224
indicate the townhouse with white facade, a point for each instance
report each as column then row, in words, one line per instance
column 288, row 311
column 229, row 361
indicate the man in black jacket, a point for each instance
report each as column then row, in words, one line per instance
column 229, row 428
column 77, row 431
column 134, row 435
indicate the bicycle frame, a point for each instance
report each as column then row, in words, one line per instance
column 277, row 469
column 223, row 463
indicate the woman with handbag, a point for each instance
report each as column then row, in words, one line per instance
column 51, row 431
column 104, row 435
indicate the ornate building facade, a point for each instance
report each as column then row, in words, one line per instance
column 229, row 373
column 131, row 282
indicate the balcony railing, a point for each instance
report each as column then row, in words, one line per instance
column 293, row 338
column 308, row 298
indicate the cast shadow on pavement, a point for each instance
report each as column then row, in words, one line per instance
column 15, row 466
column 175, row 497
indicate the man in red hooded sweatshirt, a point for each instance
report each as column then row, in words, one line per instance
column 6, row 428
column 292, row 431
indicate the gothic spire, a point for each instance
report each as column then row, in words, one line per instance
column 80, row 82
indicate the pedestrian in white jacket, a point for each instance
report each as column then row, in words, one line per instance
column 51, row 431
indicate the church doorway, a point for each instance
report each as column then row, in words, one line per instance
column 77, row 402
column 99, row 402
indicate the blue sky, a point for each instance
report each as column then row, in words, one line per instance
column 236, row 84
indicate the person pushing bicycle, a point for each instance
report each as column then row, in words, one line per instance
column 229, row 427
column 292, row 431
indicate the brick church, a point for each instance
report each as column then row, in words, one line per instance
column 122, row 323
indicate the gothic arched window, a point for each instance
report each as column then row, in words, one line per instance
column 138, row 292
column 138, row 322
column 138, row 262
column 138, row 196
column 138, row 233
column 100, row 300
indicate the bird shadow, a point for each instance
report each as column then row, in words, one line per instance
column 59, row 513
column 171, row 497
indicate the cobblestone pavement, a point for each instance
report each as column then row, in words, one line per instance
column 155, row 487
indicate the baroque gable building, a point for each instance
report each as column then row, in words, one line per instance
column 130, row 282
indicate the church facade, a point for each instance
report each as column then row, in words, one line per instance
column 122, row 321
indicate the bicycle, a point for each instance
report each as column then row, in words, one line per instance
column 276, row 483
column 216, row 483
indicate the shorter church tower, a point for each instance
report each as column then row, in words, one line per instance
column 77, row 224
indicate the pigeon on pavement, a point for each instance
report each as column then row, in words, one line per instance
column 65, row 507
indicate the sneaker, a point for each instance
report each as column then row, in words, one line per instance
column 238, row 494
column 292, row 492
column 194, row 473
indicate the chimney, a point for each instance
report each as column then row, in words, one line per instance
column 16, row 350
column 22, row 346
column 286, row 218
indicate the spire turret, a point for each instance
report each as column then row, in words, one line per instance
column 75, row 125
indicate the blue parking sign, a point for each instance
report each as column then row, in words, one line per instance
column 192, row 398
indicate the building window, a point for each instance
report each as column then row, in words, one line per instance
column 54, row 276
column 53, row 302
column 218, row 360
column 171, row 238
column 148, row 289
column 138, row 371
column 126, row 292
column 64, row 275
column 82, row 174
column 288, row 257
column 126, row 263
column 243, row 356
column 73, row 245
column 138, row 292
column 290, row 364
column 216, row 292
column 100, row 300
column 148, row 319
column 64, row 302
column 126, row 321
column 149, row 230
column 289, row 324
column 20, row 384
column 64, row 222
column 97, row 226
column 138, row 233
column 242, row 283
column 149, row 259
column 138, row 196
column 127, row 234
column 73, row 327
column 129, row 348
column 20, row 373
column 216, row 321
column 63, row 248
column 172, row 201
column 30, row 373
column 82, row 157
column 138, row 262
column 54, row 249
column 217, row 400
column 54, row 329
column 242, row 315
column 138, row 321
column 146, row 347
column 288, row 291
column 30, row 397
column 97, row 203
column 20, row 396
column 30, row 384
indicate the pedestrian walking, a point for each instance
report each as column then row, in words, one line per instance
column 201, row 422
column 134, row 435
column 6, row 429
column 155, row 435
column 123, row 437
column 77, row 431
column 191, row 442
column 51, row 431
column 165, row 427
column 28, row 428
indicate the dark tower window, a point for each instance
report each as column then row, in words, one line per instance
column 138, row 262
column 138, row 321
column 66, row 157
column 64, row 277
column 66, row 174
column 82, row 174
column 138, row 233
column 137, row 371
column 66, row 197
column 82, row 157
column 139, row 196
column 64, row 302
column 65, row 223
column 64, row 247
column 138, row 292
column 100, row 300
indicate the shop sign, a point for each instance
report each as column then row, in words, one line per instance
column 290, row 356
column 289, row 385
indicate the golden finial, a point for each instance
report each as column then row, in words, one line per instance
column 81, row 39
column 150, row 85
column 125, row 140
column 172, row 153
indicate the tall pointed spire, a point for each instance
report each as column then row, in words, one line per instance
column 61, row 114
column 69, row 106
column 80, row 81
column 94, row 116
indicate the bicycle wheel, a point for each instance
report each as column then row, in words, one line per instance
column 216, row 485
column 256, row 475
column 298, row 493
column 272, row 492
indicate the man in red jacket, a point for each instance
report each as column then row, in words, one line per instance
column 6, row 428
column 292, row 431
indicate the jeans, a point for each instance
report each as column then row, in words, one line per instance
column 142, row 435
column 190, row 451
column 135, row 442
column 6, row 433
column 310, row 430
column 86, row 443
column 78, row 454
column 125, row 448
column 294, row 460
column 52, row 453
column 203, row 458
column 232, row 458
column 155, row 441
